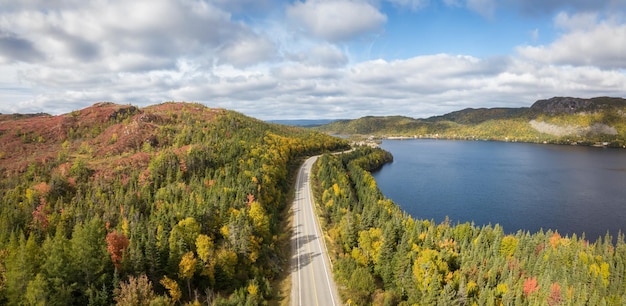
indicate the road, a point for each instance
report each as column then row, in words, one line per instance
column 311, row 275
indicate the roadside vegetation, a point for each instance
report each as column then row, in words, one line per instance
column 382, row 256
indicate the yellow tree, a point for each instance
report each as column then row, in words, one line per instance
column 173, row 289
column 370, row 242
column 429, row 268
column 205, row 247
column 259, row 219
column 182, row 238
column 187, row 267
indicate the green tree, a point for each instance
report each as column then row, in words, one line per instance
column 36, row 291
column 361, row 286
column 22, row 265
column 57, row 273
column 88, row 251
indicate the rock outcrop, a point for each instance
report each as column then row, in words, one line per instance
column 569, row 105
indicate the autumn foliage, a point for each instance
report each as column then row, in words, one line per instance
column 555, row 295
column 173, row 203
column 116, row 245
column 530, row 286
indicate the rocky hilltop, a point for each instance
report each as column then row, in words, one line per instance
column 569, row 105
column 103, row 129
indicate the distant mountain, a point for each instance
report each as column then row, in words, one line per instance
column 479, row 115
column 594, row 121
column 303, row 122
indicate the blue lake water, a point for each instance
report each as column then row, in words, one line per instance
column 523, row 186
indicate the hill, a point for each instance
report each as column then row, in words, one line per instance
column 171, row 203
column 556, row 120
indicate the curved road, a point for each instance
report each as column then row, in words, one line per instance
column 311, row 275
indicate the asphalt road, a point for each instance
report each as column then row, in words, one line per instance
column 311, row 275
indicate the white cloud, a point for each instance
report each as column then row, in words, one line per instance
column 320, row 55
column 336, row 20
column 90, row 31
column 600, row 44
column 248, row 51
column 245, row 6
column 486, row 8
column 582, row 21
column 421, row 86
column 58, row 56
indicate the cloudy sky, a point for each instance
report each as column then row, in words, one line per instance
column 310, row 59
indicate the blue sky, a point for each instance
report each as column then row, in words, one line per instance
column 309, row 59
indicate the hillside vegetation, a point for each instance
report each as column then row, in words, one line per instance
column 382, row 256
column 163, row 205
column 558, row 120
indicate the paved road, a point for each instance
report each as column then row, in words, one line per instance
column 311, row 275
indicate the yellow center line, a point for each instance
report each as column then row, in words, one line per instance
column 313, row 274
column 311, row 265
column 311, row 257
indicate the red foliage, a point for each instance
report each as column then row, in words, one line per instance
column 530, row 286
column 555, row 295
column 209, row 183
column 106, row 129
column 42, row 188
column 40, row 215
column 116, row 245
column 250, row 199
column 555, row 240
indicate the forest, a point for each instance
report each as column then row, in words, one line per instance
column 382, row 256
column 172, row 204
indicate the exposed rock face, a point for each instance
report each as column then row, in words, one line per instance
column 568, row 105
column 562, row 105
column 573, row 130
column 555, row 130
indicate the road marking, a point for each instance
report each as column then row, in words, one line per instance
column 313, row 217
column 298, row 242
column 303, row 204
column 313, row 276
column 332, row 298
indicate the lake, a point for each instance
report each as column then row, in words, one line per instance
column 572, row 189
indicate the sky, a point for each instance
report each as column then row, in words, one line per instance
column 309, row 59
